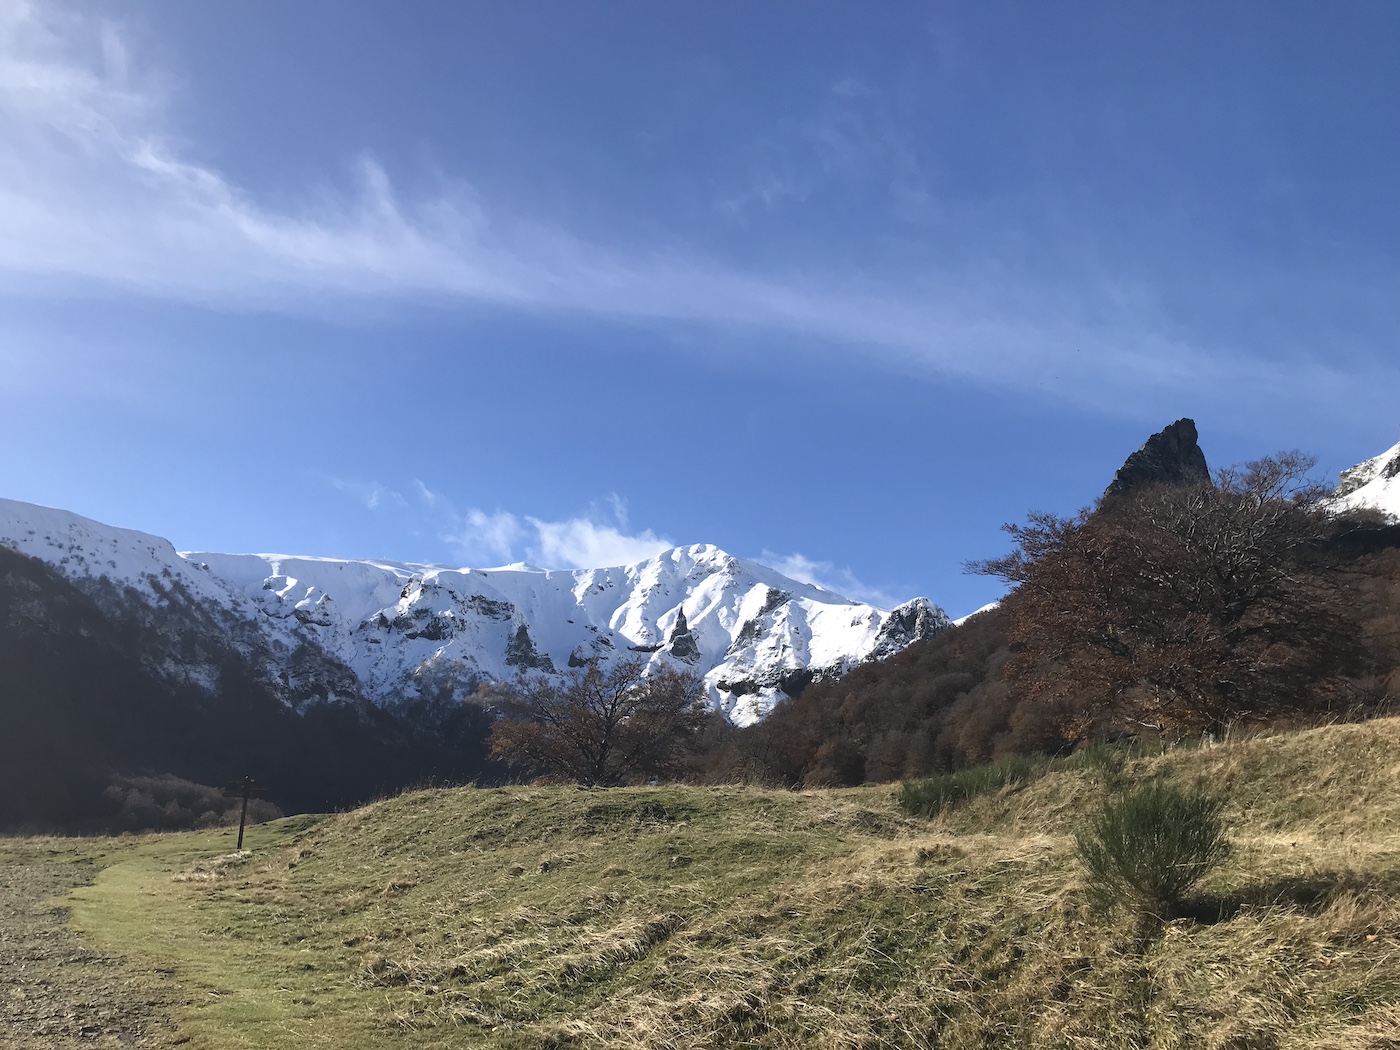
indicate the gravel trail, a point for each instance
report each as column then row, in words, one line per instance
column 57, row 991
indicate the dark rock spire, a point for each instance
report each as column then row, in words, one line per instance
column 682, row 642
column 1171, row 456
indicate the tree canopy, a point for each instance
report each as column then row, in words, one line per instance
column 600, row 727
column 1183, row 607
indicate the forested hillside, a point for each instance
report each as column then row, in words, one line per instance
column 1180, row 604
column 83, row 708
column 1171, row 608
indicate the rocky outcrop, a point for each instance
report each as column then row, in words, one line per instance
column 682, row 644
column 1382, row 468
column 1170, row 456
column 1373, row 485
column 521, row 653
column 911, row 622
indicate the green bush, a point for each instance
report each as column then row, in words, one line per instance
column 1145, row 849
column 931, row 795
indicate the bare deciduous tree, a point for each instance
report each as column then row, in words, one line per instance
column 600, row 727
column 1183, row 607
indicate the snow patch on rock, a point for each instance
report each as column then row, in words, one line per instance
column 1374, row 485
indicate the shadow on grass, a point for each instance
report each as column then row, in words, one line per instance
column 1311, row 894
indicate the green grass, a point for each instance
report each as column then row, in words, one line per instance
column 930, row 796
column 713, row 917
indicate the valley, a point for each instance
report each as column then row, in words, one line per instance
column 694, row 917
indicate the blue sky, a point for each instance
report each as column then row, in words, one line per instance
column 837, row 286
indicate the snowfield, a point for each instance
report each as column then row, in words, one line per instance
column 410, row 631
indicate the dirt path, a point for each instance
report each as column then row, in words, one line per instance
column 56, row 990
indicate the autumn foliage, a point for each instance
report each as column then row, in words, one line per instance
column 1163, row 611
column 1185, row 608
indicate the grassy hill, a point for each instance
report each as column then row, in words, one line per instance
column 702, row 917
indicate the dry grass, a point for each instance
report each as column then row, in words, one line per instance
column 687, row 917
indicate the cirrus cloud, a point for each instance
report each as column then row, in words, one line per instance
column 96, row 191
column 828, row 576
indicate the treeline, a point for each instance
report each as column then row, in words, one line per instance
column 1170, row 610
column 938, row 705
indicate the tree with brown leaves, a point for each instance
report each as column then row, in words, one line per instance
column 600, row 727
column 1183, row 607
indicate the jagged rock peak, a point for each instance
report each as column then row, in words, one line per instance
column 1373, row 485
column 681, row 643
column 911, row 622
column 1171, row 456
column 1381, row 468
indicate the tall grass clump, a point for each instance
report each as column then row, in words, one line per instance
column 932, row 795
column 1104, row 762
column 1145, row 849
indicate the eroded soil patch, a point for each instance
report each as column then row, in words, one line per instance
column 56, row 990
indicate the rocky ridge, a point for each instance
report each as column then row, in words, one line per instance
column 328, row 630
column 1374, row 484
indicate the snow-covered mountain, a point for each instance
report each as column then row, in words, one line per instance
column 1374, row 484
column 326, row 629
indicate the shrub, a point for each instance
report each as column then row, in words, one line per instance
column 931, row 795
column 1147, row 848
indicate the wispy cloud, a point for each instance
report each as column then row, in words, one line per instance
column 487, row 539
column 581, row 543
column 595, row 539
column 588, row 541
column 828, row 576
column 94, row 188
column 371, row 494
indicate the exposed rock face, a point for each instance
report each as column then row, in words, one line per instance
column 1171, row 456
column 682, row 643
column 521, row 652
column 1382, row 468
column 1373, row 485
column 914, row 621
column 391, row 636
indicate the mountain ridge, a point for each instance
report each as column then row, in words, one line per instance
column 1372, row 484
column 325, row 629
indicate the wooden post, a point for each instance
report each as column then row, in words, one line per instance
column 243, row 817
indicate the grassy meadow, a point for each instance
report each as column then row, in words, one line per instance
column 739, row 917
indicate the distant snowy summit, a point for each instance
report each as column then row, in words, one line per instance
column 323, row 629
column 1374, row 484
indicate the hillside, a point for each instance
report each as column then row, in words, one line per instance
column 1374, row 484
column 333, row 681
column 1015, row 678
column 84, row 704
column 703, row 917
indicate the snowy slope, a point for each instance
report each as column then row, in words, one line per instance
column 204, row 622
column 406, row 631
column 1374, row 484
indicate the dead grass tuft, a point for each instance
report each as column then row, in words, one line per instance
column 216, row 868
